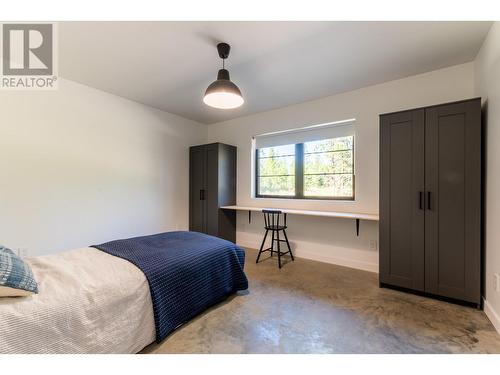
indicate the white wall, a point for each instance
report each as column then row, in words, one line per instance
column 334, row 240
column 80, row 166
column 487, row 83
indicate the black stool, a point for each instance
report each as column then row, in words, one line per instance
column 272, row 223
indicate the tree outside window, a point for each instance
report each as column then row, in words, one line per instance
column 322, row 169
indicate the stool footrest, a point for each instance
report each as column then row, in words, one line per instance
column 275, row 251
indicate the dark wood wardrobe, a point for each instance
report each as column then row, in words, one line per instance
column 430, row 200
column 212, row 184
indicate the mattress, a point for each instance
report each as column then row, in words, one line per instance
column 88, row 302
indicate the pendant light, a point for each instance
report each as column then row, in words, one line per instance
column 223, row 93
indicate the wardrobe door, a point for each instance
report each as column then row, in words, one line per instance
column 197, row 189
column 212, row 189
column 453, row 200
column 227, row 191
column 401, row 199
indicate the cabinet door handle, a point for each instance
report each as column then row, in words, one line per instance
column 428, row 200
column 202, row 194
column 421, row 200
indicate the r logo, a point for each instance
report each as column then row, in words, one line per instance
column 27, row 49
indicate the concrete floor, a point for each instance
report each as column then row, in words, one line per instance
column 312, row 307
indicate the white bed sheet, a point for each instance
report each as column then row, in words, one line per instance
column 88, row 302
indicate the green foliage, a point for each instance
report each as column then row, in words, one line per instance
column 277, row 170
column 333, row 144
column 328, row 169
column 328, row 186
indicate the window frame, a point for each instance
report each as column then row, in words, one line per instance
column 299, row 182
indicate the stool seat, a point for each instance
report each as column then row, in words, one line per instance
column 276, row 227
column 272, row 223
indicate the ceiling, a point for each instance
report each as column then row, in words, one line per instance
column 168, row 65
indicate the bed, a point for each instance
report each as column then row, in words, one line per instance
column 106, row 301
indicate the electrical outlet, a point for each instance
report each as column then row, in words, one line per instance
column 497, row 282
column 373, row 245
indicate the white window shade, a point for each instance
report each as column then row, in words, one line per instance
column 307, row 134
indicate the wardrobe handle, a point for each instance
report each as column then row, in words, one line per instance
column 421, row 200
column 428, row 200
column 202, row 194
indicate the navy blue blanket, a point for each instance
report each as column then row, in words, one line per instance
column 187, row 273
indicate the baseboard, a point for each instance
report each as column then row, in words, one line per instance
column 351, row 263
column 492, row 315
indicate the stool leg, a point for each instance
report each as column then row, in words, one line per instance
column 279, row 250
column 262, row 246
column 288, row 244
column 272, row 243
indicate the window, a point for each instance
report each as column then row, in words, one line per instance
column 276, row 174
column 329, row 168
column 318, row 169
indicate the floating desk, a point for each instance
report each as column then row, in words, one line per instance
column 343, row 215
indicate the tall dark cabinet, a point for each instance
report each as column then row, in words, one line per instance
column 212, row 184
column 430, row 200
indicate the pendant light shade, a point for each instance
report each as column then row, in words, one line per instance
column 223, row 93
